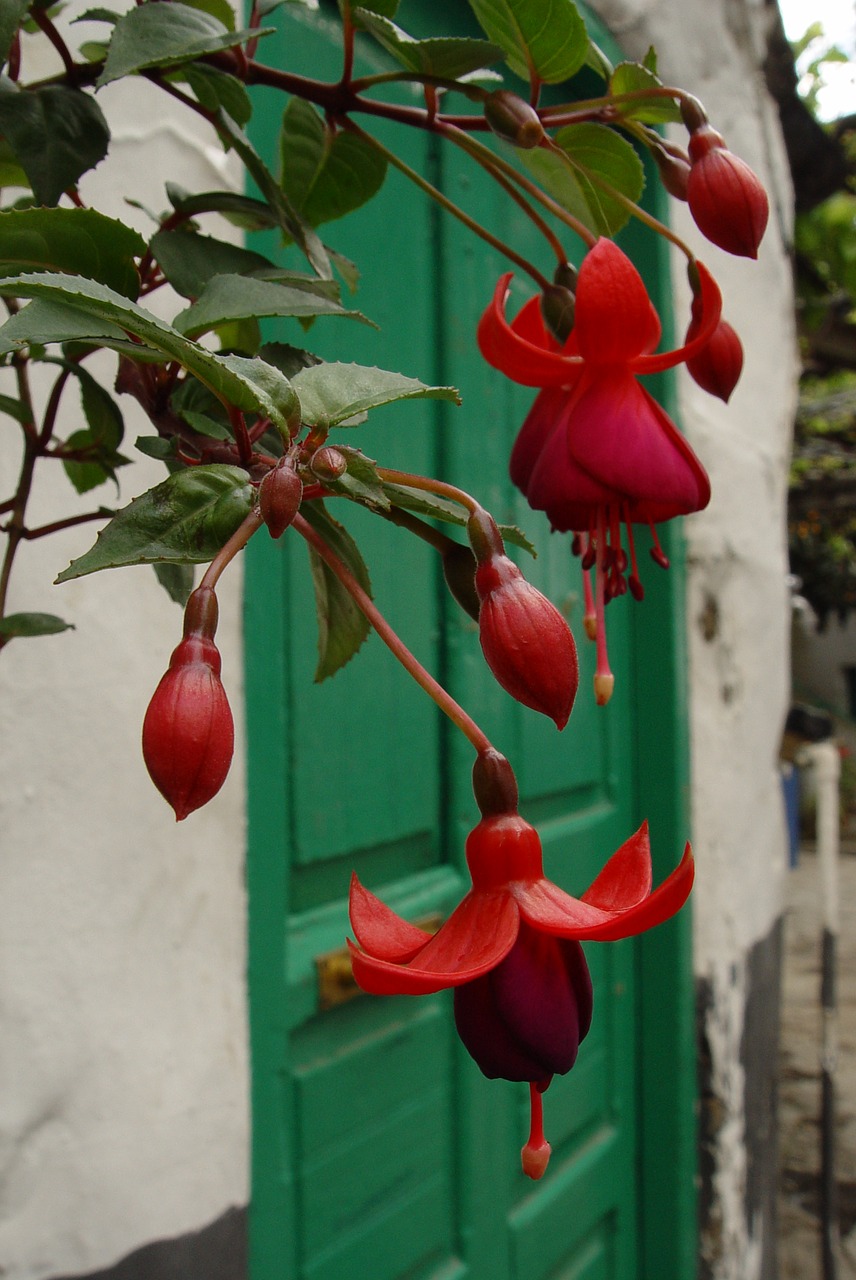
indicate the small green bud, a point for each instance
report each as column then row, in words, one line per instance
column 513, row 120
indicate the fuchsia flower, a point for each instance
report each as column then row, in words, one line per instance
column 511, row 948
column 727, row 201
column 596, row 451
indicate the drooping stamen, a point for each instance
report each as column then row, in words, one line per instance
column 634, row 581
column 535, row 1156
column 604, row 681
column 658, row 555
column 589, row 619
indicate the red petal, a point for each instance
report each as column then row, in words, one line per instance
column 626, row 878
column 478, row 934
column 710, row 313
column 615, row 320
column 547, row 907
column 541, row 421
column 379, row 930
column 622, row 438
column 518, row 358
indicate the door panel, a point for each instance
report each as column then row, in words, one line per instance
column 380, row 1152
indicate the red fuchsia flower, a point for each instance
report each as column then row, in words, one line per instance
column 596, row 451
column 725, row 197
column 188, row 732
column 511, row 948
column 526, row 642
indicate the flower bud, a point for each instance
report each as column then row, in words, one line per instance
column 717, row 367
column 674, row 172
column 513, row 119
column 558, row 305
column 279, row 498
column 188, row 734
column 726, row 199
column 526, row 642
column 328, row 463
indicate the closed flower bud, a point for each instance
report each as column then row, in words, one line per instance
column 674, row 171
column 717, row 367
column 726, row 199
column 558, row 306
column 188, row 733
column 513, row 119
column 328, row 463
column 526, row 642
column 279, row 498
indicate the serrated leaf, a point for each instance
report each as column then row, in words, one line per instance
column 445, row 56
column 330, row 394
column 342, row 626
column 249, row 384
column 189, row 260
column 57, row 134
column 80, row 241
column 423, row 503
column 325, row 175
column 597, row 60
column 544, row 37
column 176, row 580
column 165, row 35
column 289, row 360
column 220, row 9
column 32, row 624
column 11, row 15
column 216, row 89
column 237, row 297
column 386, row 8
column 99, row 14
column 633, row 77
column 186, row 519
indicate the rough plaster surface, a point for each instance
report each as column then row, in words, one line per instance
column 738, row 610
column 124, row 1079
column 123, row 1068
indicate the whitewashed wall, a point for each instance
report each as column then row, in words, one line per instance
column 123, row 1072
column 738, row 619
column 123, row 1060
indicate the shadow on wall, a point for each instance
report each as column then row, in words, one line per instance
column 217, row 1252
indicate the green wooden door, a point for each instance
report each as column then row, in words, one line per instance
column 379, row 1151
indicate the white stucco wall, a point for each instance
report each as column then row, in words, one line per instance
column 123, row 1061
column 738, row 611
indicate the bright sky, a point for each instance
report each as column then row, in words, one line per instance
column 838, row 19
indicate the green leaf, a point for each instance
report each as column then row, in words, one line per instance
column 165, row 35
column 57, row 134
column 176, row 580
column 101, row 314
column 325, row 175
column 11, row 15
column 219, row 9
column 241, row 211
column 342, row 626
column 361, row 481
column 14, row 409
column 547, row 37
column 215, row 89
column 594, row 152
column 289, row 360
column 33, row 624
column 237, row 297
column 332, row 393
column 386, row 8
column 190, row 260
column 449, row 57
column 80, row 241
column 186, row 519
column 633, row 77
column 11, row 173
column 100, row 465
column 423, row 503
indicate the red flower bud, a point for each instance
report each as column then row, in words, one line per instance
column 717, row 367
column 674, row 171
column 526, row 642
column 726, row 199
column 279, row 498
column 188, row 734
column 328, row 463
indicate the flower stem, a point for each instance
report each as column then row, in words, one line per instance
column 393, row 642
column 239, row 539
column 429, row 485
column 535, row 1156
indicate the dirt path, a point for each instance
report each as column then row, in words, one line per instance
column 799, row 1096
